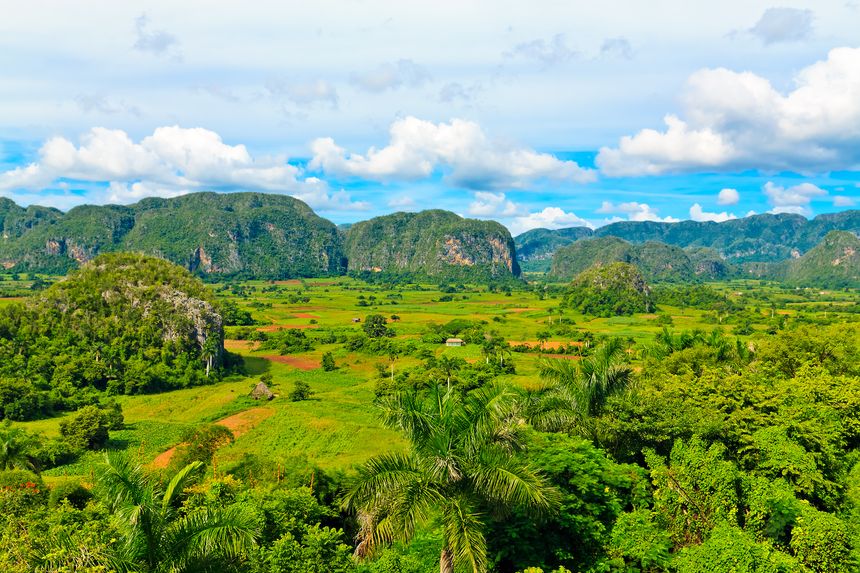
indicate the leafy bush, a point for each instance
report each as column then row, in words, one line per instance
column 87, row 429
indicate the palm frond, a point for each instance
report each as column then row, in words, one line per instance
column 464, row 534
column 177, row 484
column 230, row 532
column 508, row 482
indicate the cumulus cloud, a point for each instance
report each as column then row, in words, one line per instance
column 616, row 48
column 171, row 161
column 698, row 214
column 634, row 211
column 158, row 42
column 779, row 25
column 547, row 53
column 736, row 121
column 549, row 218
column 390, row 76
column 795, row 199
column 304, row 93
column 728, row 196
column 487, row 204
column 469, row 158
column 843, row 201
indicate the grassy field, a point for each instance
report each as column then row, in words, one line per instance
column 338, row 427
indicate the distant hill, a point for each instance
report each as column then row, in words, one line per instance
column 536, row 247
column 610, row 289
column 246, row 234
column 758, row 238
column 833, row 263
column 656, row 261
column 437, row 244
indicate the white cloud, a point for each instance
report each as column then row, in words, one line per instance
column 616, row 48
column 548, row 53
column 634, row 212
column 304, row 93
column 843, row 201
column 401, row 202
column 778, row 25
column 454, row 91
column 487, row 204
column 697, row 214
column 156, row 42
column 418, row 148
column 794, row 199
column 171, row 161
column 736, row 121
column 728, row 196
column 549, row 218
column 391, row 76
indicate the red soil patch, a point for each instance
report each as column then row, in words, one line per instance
column 554, row 344
column 519, row 310
column 305, row 315
column 295, row 361
column 230, row 344
column 289, row 282
column 237, row 423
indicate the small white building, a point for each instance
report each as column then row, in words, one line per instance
column 454, row 342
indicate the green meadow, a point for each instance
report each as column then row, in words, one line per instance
column 338, row 427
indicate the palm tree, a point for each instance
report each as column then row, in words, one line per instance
column 449, row 366
column 16, row 447
column 460, row 467
column 578, row 390
column 159, row 537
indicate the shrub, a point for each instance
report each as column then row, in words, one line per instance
column 328, row 362
column 301, row 391
column 72, row 491
column 86, row 430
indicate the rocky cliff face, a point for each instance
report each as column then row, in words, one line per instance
column 437, row 244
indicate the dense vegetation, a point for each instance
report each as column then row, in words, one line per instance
column 234, row 234
column 122, row 324
column 609, row 290
column 579, row 428
column 656, row 261
column 437, row 244
column 760, row 238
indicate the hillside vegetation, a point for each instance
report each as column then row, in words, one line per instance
column 610, row 290
column 123, row 324
column 234, row 234
column 432, row 244
column 657, row 261
column 758, row 238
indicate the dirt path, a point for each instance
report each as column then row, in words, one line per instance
column 237, row 423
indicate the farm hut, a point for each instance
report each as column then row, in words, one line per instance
column 261, row 392
column 454, row 342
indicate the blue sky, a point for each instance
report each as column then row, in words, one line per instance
column 543, row 113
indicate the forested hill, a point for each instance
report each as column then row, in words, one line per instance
column 764, row 238
column 244, row 234
column 432, row 243
column 656, row 261
column 123, row 323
